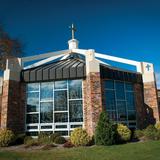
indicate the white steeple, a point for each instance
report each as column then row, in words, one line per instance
column 73, row 43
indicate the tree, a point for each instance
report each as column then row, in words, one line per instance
column 106, row 130
column 9, row 48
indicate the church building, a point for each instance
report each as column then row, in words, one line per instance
column 62, row 90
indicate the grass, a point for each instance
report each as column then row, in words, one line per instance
column 131, row 151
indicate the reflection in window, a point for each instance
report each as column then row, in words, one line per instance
column 121, row 107
column 32, row 118
column 33, row 87
column 75, row 111
column 130, row 100
column 75, row 89
column 46, row 114
column 120, row 90
column 120, row 102
column 60, row 85
column 61, row 117
column 54, row 106
column 46, row 91
column 32, row 102
column 129, row 87
column 109, row 84
column 131, row 115
column 110, row 100
column 60, row 103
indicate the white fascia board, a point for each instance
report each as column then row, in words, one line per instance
column 64, row 57
column 102, row 62
column 43, row 61
column 80, row 51
column 120, row 60
column 45, row 55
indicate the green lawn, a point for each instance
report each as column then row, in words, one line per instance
column 132, row 151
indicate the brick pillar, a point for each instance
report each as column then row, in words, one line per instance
column 92, row 93
column 13, row 109
column 150, row 92
column 142, row 120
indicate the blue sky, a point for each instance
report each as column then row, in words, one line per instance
column 124, row 28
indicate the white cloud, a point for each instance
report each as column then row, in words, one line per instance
column 158, row 80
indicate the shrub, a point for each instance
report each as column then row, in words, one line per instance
column 79, row 137
column 124, row 133
column 29, row 141
column 151, row 133
column 27, row 138
column 157, row 126
column 68, row 144
column 44, row 138
column 53, row 136
column 106, row 132
column 60, row 140
column 19, row 139
column 138, row 134
column 6, row 137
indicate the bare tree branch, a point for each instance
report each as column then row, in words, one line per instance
column 9, row 48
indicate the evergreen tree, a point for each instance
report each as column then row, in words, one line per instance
column 106, row 130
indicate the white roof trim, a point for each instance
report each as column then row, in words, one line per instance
column 43, row 61
column 45, row 55
column 120, row 60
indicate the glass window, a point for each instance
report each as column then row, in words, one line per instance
column 32, row 102
column 112, row 115
column 32, row 87
column 131, row 115
column 60, row 100
column 51, row 106
column 130, row 100
column 46, row 91
column 120, row 94
column 120, row 103
column 75, row 111
column 109, row 84
column 46, row 115
column 61, row 117
column 121, row 108
column 32, row 118
column 129, row 87
column 110, row 100
column 62, row 133
column 32, row 133
column 60, row 85
column 75, row 89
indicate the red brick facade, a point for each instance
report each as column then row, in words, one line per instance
column 92, row 101
column 12, row 104
column 151, row 100
column 13, row 108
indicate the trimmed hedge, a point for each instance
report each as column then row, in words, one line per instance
column 54, row 136
column 44, row 138
column 124, row 133
column 79, row 137
column 59, row 140
column 6, row 137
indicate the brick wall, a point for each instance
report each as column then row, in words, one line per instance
column 0, row 108
column 13, row 106
column 151, row 100
column 92, row 101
